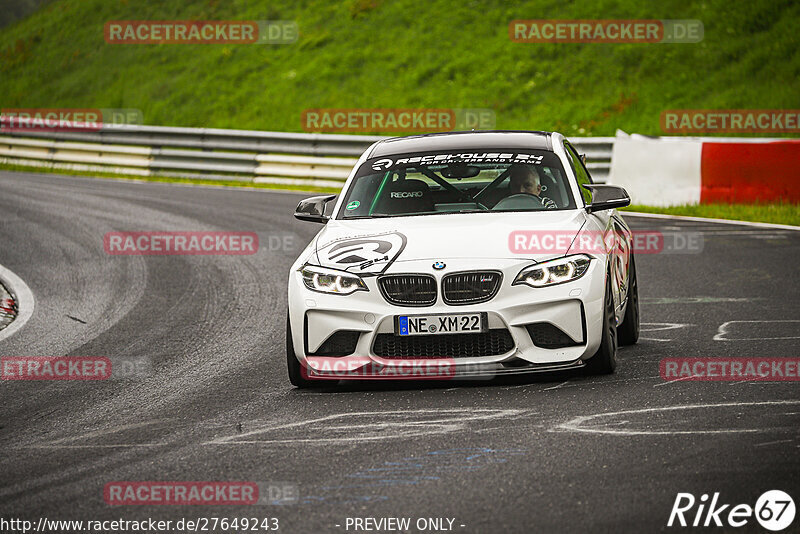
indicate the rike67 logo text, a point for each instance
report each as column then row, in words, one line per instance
column 774, row 510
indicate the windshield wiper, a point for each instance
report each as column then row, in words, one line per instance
column 373, row 216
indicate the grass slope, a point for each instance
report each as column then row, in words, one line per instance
column 403, row 53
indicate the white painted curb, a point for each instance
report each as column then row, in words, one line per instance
column 706, row 219
column 23, row 297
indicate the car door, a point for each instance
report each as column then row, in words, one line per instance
column 616, row 234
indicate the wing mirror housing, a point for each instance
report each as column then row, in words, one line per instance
column 606, row 197
column 313, row 209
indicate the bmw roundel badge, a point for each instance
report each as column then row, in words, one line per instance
column 439, row 265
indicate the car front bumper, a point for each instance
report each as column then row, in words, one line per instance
column 576, row 308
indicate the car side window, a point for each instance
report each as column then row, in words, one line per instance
column 581, row 173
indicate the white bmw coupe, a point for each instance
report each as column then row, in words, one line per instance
column 462, row 255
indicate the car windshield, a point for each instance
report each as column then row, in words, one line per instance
column 458, row 182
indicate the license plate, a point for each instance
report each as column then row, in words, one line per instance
column 461, row 323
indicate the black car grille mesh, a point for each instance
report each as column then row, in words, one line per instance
column 408, row 289
column 492, row 343
column 470, row 287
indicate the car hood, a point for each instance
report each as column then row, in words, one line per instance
column 372, row 245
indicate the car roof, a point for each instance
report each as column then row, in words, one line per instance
column 471, row 140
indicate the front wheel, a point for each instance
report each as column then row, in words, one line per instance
column 295, row 368
column 629, row 329
column 604, row 360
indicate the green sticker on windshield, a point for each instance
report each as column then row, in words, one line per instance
column 353, row 205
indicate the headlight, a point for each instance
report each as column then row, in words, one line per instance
column 554, row 272
column 331, row 281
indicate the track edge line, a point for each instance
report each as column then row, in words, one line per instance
column 22, row 295
column 709, row 219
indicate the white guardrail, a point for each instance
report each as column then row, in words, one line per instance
column 323, row 160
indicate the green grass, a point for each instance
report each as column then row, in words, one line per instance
column 768, row 213
column 404, row 53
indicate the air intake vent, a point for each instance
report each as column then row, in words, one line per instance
column 548, row 336
column 340, row 343
column 492, row 343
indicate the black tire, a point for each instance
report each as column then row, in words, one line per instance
column 604, row 361
column 295, row 372
column 628, row 331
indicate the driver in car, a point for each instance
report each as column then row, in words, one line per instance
column 525, row 180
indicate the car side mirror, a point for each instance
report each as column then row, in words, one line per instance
column 606, row 197
column 313, row 209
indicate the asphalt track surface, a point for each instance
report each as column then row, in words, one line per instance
column 516, row 455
